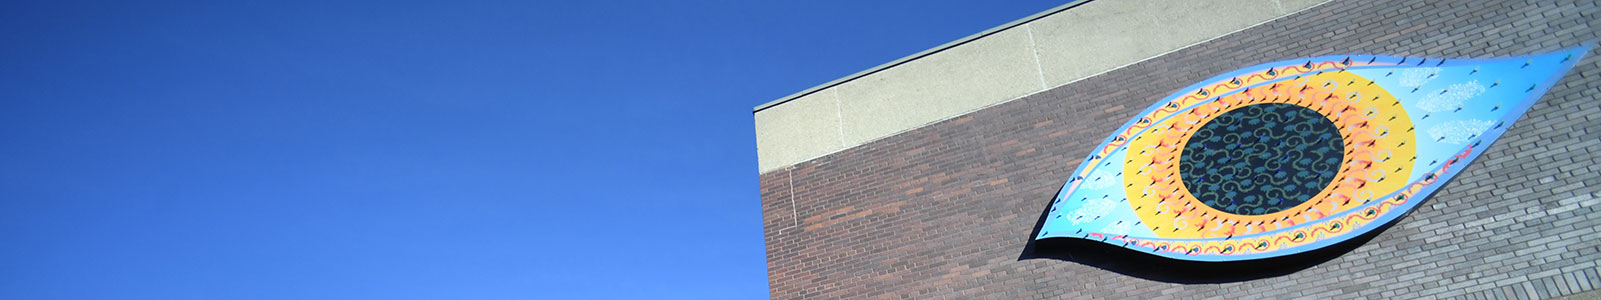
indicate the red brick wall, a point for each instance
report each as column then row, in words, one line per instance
column 945, row 211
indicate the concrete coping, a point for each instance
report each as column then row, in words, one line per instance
column 920, row 54
column 1059, row 46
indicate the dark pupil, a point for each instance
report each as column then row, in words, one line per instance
column 1261, row 158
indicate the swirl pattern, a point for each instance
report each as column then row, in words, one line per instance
column 1261, row 158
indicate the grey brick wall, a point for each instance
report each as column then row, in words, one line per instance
column 944, row 211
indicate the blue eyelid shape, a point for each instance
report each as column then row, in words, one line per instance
column 1290, row 156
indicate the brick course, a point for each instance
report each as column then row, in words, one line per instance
column 945, row 211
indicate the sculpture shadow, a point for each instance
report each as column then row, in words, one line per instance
column 1151, row 267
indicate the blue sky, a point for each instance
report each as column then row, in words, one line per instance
column 411, row 150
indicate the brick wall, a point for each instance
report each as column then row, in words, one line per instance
column 946, row 211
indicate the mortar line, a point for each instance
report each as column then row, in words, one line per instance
column 793, row 215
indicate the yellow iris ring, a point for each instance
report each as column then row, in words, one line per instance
column 1377, row 157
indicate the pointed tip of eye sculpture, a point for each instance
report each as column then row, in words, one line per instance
column 1290, row 156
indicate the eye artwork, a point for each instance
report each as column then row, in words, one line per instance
column 1291, row 156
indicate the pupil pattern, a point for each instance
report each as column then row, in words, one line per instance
column 1261, row 158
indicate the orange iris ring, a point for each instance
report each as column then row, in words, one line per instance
column 1369, row 168
column 1203, row 94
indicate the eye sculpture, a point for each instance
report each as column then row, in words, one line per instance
column 1291, row 156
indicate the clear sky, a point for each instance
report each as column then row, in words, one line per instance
column 411, row 150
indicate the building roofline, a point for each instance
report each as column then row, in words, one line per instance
column 1070, row 4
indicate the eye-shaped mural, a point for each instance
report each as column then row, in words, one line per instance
column 1291, row 156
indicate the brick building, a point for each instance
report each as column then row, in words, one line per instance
column 926, row 178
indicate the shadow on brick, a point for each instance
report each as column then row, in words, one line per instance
column 1151, row 267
